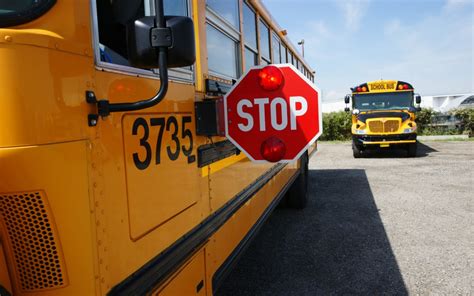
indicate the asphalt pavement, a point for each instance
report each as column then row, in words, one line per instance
column 382, row 225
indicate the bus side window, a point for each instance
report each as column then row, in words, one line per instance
column 111, row 24
column 222, row 37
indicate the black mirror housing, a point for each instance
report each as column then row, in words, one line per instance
column 347, row 99
column 347, row 109
column 418, row 109
column 181, row 52
column 418, row 99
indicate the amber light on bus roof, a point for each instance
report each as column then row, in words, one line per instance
column 361, row 88
column 401, row 85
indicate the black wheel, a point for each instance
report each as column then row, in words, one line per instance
column 297, row 195
column 356, row 150
column 411, row 150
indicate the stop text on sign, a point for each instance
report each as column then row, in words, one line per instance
column 278, row 107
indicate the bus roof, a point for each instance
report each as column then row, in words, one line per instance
column 382, row 86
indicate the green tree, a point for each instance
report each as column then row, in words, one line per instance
column 336, row 126
column 466, row 116
column 424, row 118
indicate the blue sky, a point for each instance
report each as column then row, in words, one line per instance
column 428, row 43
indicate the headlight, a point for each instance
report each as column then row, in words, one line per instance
column 361, row 131
column 409, row 130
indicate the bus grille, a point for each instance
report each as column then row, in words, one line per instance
column 389, row 126
column 31, row 235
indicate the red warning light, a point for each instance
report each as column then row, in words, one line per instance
column 273, row 149
column 270, row 78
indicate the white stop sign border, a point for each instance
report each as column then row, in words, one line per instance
column 320, row 115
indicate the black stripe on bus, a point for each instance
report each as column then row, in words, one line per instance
column 160, row 268
column 229, row 263
column 210, row 153
column 4, row 291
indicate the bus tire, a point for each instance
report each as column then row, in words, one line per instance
column 356, row 150
column 411, row 149
column 297, row 195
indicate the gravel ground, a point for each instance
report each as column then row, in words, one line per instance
column 383, row 225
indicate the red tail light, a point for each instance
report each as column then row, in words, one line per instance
column 359, row 89
column 405, row 86
column 273, row 149
column 270, row 78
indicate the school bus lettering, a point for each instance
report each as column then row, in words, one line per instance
column 173, row 150
column 378, row 86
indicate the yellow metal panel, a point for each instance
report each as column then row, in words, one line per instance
column 161, row 191
column 221, row 164
column 60, row 171
column 227, row 182
column 65, row 27
column 45, row 91
column 130, row 229
column 190, row 280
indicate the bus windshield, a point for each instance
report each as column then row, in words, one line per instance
column 383, row 101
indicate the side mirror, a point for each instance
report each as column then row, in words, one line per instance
column 143, row 39
column 418, row 99
column 347, row 109
column 347, row 99
column 418, row 109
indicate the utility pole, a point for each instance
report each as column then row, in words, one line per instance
column 302, row 46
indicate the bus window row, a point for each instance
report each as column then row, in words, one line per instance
column 261, row 45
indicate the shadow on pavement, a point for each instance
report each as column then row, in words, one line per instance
column 394, row 152
column 336, row 246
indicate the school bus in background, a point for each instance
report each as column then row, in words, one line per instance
column 383, row 115
column 115, row 178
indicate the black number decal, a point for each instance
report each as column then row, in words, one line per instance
column 186, row 133
column 173, row 150
column 161, row 123
column 141, row 165
column 174, row 136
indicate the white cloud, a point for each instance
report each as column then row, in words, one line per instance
column 456, row 4
column 435, row 55
column 333, row 96
column 319, row 29
column 353, row 11
column 392, row 27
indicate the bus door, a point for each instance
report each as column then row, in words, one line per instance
column 150, row 185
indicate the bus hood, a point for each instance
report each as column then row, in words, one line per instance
column 378, row 114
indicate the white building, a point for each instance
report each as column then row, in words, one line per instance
column 333, row 106
column 444, row 103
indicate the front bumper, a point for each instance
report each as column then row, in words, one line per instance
column 384, row 139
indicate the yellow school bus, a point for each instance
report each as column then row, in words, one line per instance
column 115, row 175
column 383, row 115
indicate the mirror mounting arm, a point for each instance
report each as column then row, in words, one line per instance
column 161, row 38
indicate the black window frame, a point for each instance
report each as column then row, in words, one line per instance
column 28, row 15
